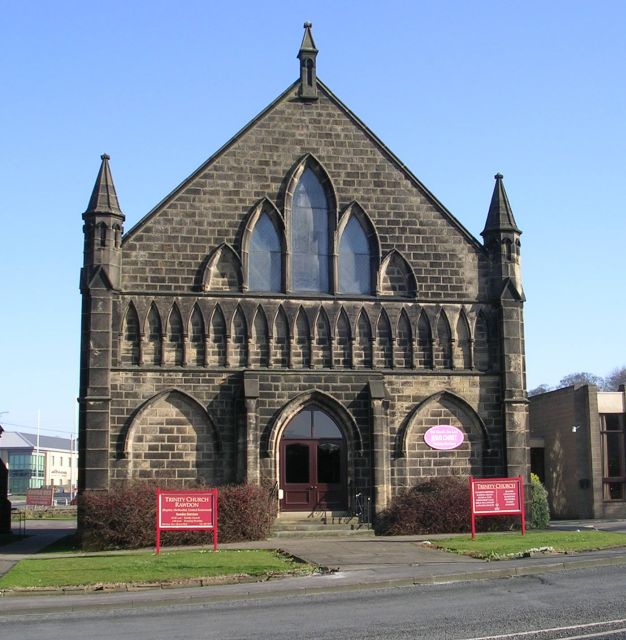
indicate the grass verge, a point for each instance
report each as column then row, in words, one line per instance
column 53, row 513
column 497, row 546
column 146, row 567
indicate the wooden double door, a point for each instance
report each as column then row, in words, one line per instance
column 313, row 464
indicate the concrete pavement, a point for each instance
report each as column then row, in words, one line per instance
column 352, row 563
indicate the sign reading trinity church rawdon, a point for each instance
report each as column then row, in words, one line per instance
column 186, row 511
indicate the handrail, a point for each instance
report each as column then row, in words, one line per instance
column 363, row 507
column 21, row 520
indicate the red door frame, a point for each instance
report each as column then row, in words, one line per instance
column 308, row 496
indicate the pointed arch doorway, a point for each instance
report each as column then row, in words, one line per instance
column 313, row 463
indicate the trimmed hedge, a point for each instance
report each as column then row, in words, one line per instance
column 125, row 518
column 436, row 505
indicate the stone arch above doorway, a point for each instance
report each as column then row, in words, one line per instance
column 326, row 402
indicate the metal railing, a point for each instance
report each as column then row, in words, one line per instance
column 363, row 507
column 18, row 516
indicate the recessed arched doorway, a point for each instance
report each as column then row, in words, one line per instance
column 313, row 463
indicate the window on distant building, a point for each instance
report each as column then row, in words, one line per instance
column 613, row 456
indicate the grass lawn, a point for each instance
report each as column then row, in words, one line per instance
column 146, row 567
column 495, row 546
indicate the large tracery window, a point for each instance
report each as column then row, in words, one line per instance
column 309, row 236
column 355, row 268
column 265, row 261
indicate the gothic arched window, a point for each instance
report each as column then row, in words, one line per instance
column 355, row 270
column 309, row 235
column 265, row 261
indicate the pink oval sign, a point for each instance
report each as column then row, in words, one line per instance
column 444, row 436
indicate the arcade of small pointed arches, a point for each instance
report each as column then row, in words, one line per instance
column 309, row 250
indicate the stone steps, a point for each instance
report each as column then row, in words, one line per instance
column 297, row 526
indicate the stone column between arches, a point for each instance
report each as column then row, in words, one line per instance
column 250, row 439
column 380, row 446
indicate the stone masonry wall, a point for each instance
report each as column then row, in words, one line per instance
column 168, row 252
column 186, row 329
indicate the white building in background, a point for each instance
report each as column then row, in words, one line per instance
column 35, row 462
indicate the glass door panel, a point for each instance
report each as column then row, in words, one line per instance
column 297, row 463
column 328, row 463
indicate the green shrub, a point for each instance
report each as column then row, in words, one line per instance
column 125, row 517
column 538, row 510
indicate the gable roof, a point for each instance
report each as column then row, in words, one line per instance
column 359, row 123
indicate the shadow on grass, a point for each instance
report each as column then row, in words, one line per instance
column 67, row 544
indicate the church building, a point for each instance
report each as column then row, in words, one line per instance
column 300, row 312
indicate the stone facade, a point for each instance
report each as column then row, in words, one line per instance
column 189, row 373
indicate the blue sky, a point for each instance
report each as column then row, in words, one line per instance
column 457, row 90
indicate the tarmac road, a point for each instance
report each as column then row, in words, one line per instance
column 575, row 604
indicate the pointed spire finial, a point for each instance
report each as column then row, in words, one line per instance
column 308, row 44
column 104, row 197
column 500, row 216
column 308, row 73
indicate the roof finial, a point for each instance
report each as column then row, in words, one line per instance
column 308, row 73
column 103, row 197
column 500, row 216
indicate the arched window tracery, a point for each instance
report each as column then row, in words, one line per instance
column 310, row 233
column 355, row 259
column 265, row 271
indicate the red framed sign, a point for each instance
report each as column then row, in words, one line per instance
column 186, row 511
column 497, row 497
column 43, row 497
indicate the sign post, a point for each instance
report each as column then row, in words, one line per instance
column 186, row 511
column 497, row 497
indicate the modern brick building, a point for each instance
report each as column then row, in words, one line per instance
column 578, row 440
column 299, row 312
